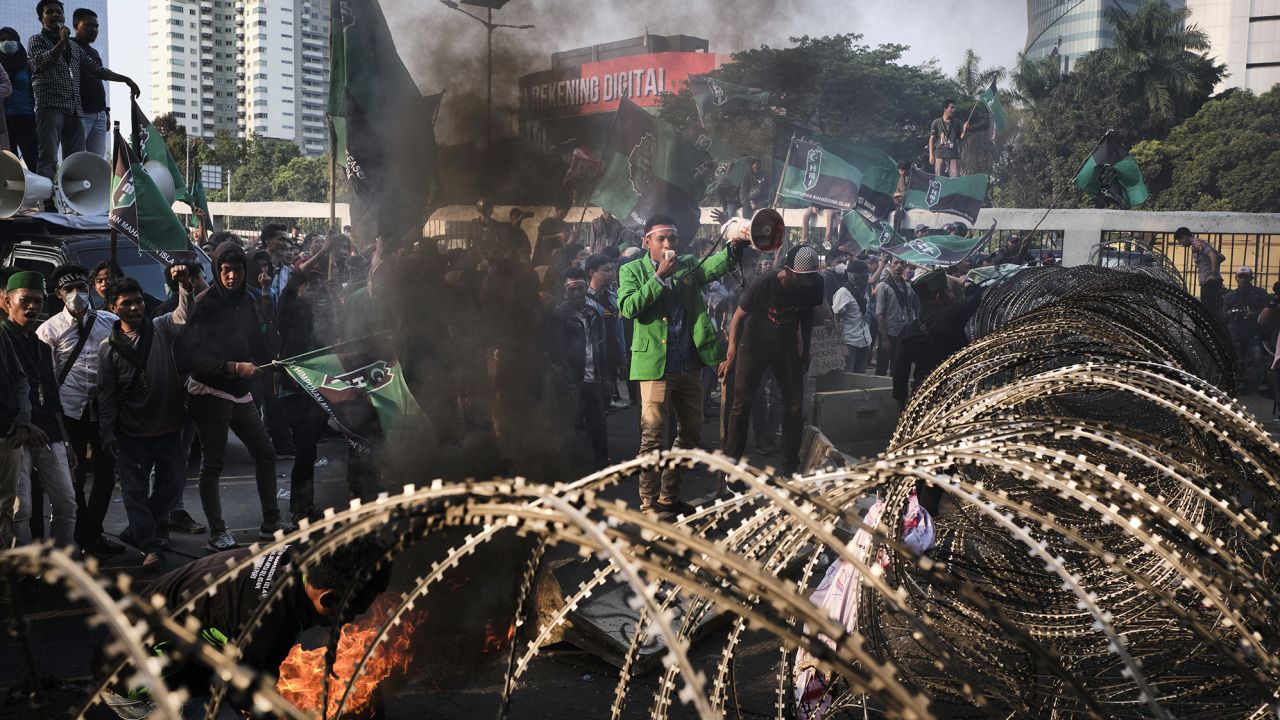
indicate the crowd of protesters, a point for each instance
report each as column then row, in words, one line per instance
column 520, row 348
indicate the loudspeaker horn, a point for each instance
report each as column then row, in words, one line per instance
column 162, row 178
column 20, row 188
column 764, row 230
column 84, row 184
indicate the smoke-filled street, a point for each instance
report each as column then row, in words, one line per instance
column 376, row 359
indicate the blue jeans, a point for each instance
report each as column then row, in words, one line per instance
column 55, row 129
column 148, row 512
column 95, row 132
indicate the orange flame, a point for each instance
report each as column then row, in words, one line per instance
column 493, row 642
column 302, row 672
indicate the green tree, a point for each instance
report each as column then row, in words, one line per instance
column 1160, row 56
column 1035, row 80
column 837, row 86
column 1222, row 158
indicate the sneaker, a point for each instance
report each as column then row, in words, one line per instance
column 268, row 530
column 222, row 541
column 152, row 562
column 619, row 404
column 181, row 521
column 102, row 547
column 322, row 462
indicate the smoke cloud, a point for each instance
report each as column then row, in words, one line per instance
column 446, row 51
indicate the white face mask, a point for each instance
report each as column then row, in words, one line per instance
column 78, row 302
column 840, row 268
column 9, row 47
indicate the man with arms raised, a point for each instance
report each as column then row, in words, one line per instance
column 141, row 403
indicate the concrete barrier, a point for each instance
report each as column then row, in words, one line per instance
column 856, row 413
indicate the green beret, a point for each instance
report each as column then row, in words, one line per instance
column 930, row 284
column 26, row 280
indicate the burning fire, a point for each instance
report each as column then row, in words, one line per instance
column 493, row 642
column 302, row 672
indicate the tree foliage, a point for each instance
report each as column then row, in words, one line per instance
column 261, row 169
column 1223, row 158
column 835, row 85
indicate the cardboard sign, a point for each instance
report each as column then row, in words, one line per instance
column 827, row 350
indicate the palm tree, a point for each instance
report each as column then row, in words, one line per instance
column 1034, row 80
column 972, row 77
column 1161, row 55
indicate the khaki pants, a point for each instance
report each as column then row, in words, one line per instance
column 684, row 392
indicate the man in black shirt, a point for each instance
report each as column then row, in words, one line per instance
column 934, row 336
column 93, row 96
column 770, row 330
column 945, row 135
column 1241, row 308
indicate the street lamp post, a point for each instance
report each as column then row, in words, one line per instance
column 489, row 27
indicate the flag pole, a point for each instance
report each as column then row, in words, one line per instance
column 333, row 192
column 777, row 197
column 114, row 233
column 1053, row 201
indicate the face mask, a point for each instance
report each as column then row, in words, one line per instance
column 840, row 268
column 78, row 302
column 9, row 47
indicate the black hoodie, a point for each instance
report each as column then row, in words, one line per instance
column 226, row 329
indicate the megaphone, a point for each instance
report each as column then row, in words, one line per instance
column 20, row 188
column 84, row 184
column 163, row 179
column 764, row 230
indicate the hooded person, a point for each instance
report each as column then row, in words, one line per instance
column 74, row 335
column 770, row 331
column 226, row 349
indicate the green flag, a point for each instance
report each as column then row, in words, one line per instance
column 961, row 196
column 991, row 98
column 382, row 129
column 879, row 171
column 149, row 146
column 936, row 250
column 200, row 217
column 1111, row 171
column 816, row 175
column 138, row 210
column 361, row 385
column 870, row 234
column 650, row 168
column 710, row 94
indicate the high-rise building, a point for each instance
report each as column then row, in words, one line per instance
column 1073, row 27
column 1245, row 36
column 251, row 67
column 21, row 16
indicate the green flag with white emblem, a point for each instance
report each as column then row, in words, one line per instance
column 960, row 196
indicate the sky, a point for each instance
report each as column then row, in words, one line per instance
column 444, row 50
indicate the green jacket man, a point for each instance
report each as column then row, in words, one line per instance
column 673, row 340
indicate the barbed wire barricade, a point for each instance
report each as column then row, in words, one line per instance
column 1104, row 546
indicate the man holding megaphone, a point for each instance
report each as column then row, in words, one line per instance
column 57, row 64
column 673, row 340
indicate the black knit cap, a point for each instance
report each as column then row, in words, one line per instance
column 68, row 273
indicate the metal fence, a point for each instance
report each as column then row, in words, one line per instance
column 1258, row 251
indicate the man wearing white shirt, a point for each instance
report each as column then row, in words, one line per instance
column 74, row 335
